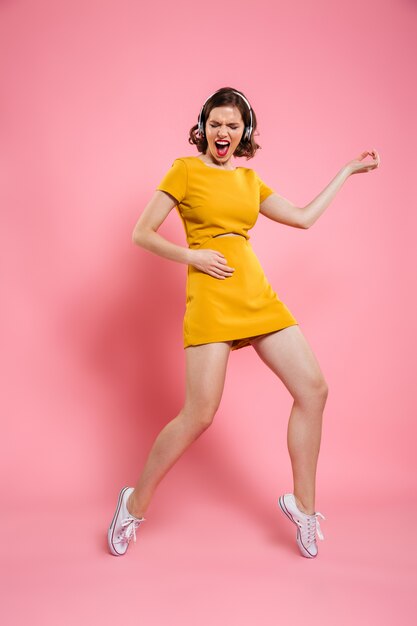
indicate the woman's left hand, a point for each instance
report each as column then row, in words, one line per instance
column 355, row 166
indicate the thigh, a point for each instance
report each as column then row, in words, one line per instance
column 206, row 366
column 289, row 355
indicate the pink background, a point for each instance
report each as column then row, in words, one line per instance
column 97, row 100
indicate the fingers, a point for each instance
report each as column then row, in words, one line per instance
column 214, row 264
column 220, row 273
column 223, row 262
column 376, row 156
column 216, row 274
column 224, row 271
column 221, row 269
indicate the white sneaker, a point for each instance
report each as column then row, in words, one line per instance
column 123, row 526
column 307, row 525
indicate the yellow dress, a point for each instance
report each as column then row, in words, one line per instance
column 212, row 201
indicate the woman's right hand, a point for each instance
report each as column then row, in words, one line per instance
column 211, row 262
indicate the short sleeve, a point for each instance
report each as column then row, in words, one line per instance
column 175, row 180
column 264, row 190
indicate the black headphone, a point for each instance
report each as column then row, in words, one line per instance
column 248, row 129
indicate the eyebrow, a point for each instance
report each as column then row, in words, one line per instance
column 217, row 122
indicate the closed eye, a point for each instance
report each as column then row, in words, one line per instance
column 234, row 126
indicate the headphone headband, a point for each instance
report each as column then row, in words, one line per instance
column 248, row 129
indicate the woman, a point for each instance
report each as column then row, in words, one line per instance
column 230, row 305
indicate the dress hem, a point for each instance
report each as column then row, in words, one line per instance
column 241, row 342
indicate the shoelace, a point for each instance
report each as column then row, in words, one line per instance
column 129, row 526
column 313, row 527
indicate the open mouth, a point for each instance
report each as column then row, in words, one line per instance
column 222, row 147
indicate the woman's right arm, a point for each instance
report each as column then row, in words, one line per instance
column 155, row 212
column 145, row 235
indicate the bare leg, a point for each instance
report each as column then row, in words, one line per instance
column 290, row 357
column 205, row 375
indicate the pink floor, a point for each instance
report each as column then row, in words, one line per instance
column 212, row 563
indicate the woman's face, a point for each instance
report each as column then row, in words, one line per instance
column 224, row 124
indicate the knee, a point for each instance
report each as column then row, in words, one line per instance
column 322, row 388
column 201, row 415
column 316, row 388
column 319, row 387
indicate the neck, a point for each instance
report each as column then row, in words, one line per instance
column 210, row 161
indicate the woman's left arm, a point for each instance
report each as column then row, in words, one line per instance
column 282, row 210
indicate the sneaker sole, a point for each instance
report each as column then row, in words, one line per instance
column 113, row 523
column 303, row 550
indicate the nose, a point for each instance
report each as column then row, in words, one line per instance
column 222, row 132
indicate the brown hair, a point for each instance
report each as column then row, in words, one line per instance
column 226, row 96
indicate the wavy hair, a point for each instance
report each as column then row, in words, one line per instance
column 226, row 96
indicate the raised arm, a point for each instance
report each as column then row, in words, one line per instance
column 282, row 210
